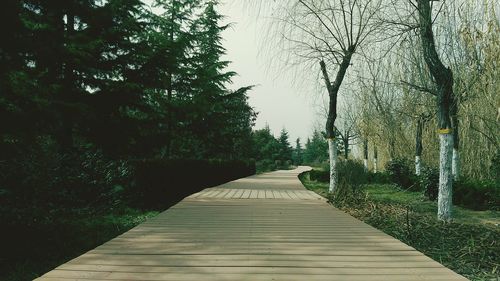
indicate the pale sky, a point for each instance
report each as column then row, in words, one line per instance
column 280, row 102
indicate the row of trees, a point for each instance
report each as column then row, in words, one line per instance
column 276, row 152
column 402, row 70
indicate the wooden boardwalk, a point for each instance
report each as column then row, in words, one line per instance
column 265, row 227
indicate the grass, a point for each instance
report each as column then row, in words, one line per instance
column 30, row 250
column 468, row 245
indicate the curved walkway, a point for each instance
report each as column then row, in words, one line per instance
column 264, row 227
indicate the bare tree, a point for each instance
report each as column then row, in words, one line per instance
column 443, row 78
column 331, row 32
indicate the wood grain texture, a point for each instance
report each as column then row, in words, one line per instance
column 265, row 227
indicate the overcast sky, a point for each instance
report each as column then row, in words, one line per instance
column 280, row 102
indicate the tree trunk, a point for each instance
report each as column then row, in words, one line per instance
column 169, row 124
column 418, row 146
column 333, row 89
column 392, row 148
column 375, row 160
column 365, row 154
column 346, row 146
column 332, row 151
column 445, row 177
column 455, row 167
column 444, row 81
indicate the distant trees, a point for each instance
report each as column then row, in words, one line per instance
column 298, row 153
column 270, row 152
column 315, row 149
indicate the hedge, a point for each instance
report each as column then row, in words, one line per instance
column 161, row 183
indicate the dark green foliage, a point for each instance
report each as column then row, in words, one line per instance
column 285, row 150
column 160, row 183
column 471, row 194
column 400, row 173
column 353, row 173
column 298, row 157
column 41, row 182
column 429, row 182
column 316, row 150
column 28, row 251
column 271, row 153
column 350, row 172
column 477, row 195
column 379, row 177
column 319, row 175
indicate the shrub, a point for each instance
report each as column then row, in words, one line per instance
column 471, row 194
column 400, row 173
column 477, row 195
column 349, row 171
column 265, row 165
column 429, row 182
column 320, row 175
column 353, row 173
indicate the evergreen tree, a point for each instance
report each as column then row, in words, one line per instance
column 315, row 149
column 298, row 153
column 285, row 150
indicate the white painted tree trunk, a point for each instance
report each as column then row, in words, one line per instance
column 445, row 177
column 456, row 164
column 375, row 165
column 332, row 151
column 365, row 162
column 418, row 165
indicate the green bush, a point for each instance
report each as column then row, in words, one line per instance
column 471, row 194
column 349, row 171
column 319, row 175
column 352, row 172
column 477, row 195
column 400, row 173
column 429, row 182
column 40, row 181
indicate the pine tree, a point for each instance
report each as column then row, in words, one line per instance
column 285, row 150
column 297, row 153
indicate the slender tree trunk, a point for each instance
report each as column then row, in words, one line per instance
column 346, row 146
column 170, row 89
column 332, row 149
column 392, row 148
column 418, row 146
column 365, row 154
column 455, row 166
column 375, row 160
column 333, row 89
column 443, row 77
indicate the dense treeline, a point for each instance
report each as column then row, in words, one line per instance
column 271, row 153
column 88, row 85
